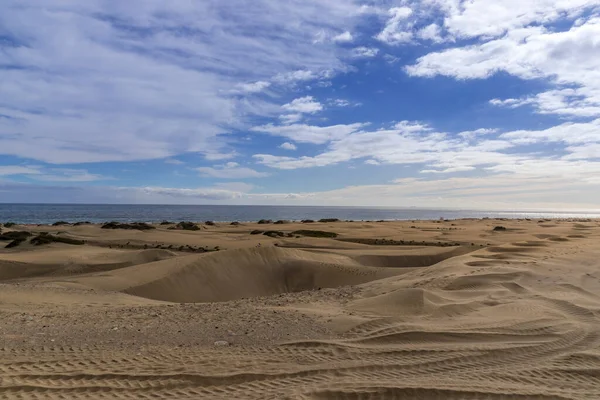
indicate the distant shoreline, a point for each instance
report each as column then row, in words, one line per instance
column 274, row 223
column 49, row 213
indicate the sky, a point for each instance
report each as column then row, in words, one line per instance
column 473, row 104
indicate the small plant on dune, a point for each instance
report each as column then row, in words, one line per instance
column 235, row 223
column 9, row 224
column 15, row 235
column 81, row 223
column 47, row 239
column 14, row 243
column 274, row 234
column 329, row 220
column 499, row 228
column 307, row 221
column 142, row 226
column 187, row 226
column 210, row 223
column 281, row 222
column 265, row 221
column 318, row 234
column 61, row 223
column 166, row 223
column 256, row 232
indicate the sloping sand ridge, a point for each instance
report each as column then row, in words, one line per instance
column 426, row 310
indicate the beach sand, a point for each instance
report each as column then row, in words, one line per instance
column 387, row 310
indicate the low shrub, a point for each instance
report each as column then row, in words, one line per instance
column 14, row 243
column 265, row 221
column 166, row 223
column 9, row 224
column 319, row 234
column 81, row 223
column 274, row 234
column 235, row 223
column 256, row 232
column 329, row 220
column 187, row 226
column 281, row 222
column 47, row 239
column 210, row 223
column 499, row 228
column 142, row 226
column 15, row 235
column 307, row 221
column 60, row 223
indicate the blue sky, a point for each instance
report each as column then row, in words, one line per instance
column 432, row 103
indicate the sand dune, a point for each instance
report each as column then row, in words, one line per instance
column 236, row 274
column 509, row 314
column 61, row 261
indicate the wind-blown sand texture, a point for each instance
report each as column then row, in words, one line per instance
column 437, row 310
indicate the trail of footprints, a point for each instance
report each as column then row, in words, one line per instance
column 556, row 368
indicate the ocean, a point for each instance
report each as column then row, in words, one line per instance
column 96, row 213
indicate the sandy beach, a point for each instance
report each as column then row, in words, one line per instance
column 460, row 309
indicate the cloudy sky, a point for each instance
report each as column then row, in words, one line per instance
column 432, row 103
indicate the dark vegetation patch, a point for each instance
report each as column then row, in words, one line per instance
column 14, row 243
column 307, row 221
column 499, row 228
column 9, row 224
column 210, row 223
column 186, row 226
column 61, row 223
column 257, row 232
column 282, row 221
column 235, row 223
column 16, row 235
column 82, row 223
column 165, row 222
column 318, row 234
column 329, row 220
column 274, row 234
column 142, row 226
column 390, row 242
column 45, row 238
column 265, row 221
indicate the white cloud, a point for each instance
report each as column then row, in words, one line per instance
column 254, row 87
column 240, row 187
column 398, row 28
column 431, row 32
column 343, row 103
column 230, row 170
column 174, row 161
column 364, row 52
column 216, row 156
column 570, row 59
column 158, row 194
column 344, row 37
column 372, row 162
column 41, row 173
column 501, row 191
column 289, row 119
column 122, row 81
column 471, row 135
column 489, row 19
column 309, row 134
column 438, row 152
column 7, row 170
column 568, row 133
column 288, row 146
column 305, row 104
